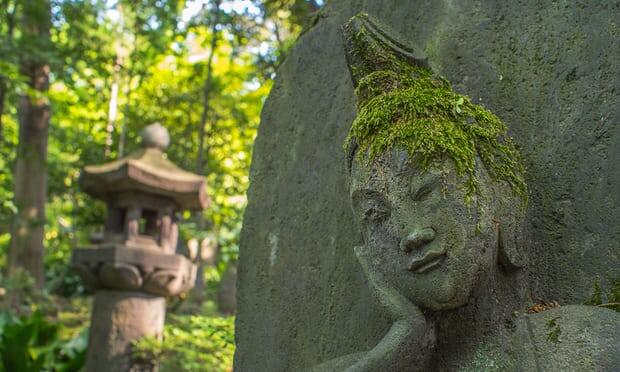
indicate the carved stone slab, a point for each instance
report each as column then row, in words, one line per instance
column 122, row 268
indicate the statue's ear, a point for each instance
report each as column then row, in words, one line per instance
column 510, row 246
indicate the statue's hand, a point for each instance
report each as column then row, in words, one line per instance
column 396, row 304
column 410, row 342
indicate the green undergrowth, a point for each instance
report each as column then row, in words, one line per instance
column 404, row 105
column 33, row 343
column 191, row 343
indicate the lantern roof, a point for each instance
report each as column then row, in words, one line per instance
column 147, row 171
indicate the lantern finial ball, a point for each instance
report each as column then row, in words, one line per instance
column 155, row 136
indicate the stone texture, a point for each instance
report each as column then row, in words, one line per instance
column 145, row 171
column 547, row 69
column 569, row 338
column 119, row 267
column 118, row 319
column 155, row 135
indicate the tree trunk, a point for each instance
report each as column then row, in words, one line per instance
column 113, row 107
column 30, row 178
column 10, row 27
column 127, row 109
column 130, row 76
column 2, row 95
column 207, row 90
column 201, row 223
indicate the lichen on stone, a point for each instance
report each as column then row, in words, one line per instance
column 404, row 104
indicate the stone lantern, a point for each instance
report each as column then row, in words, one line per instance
column 133, row 267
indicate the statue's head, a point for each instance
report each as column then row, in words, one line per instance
column 436, row 185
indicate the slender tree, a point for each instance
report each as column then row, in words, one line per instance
column 208, row 87
column 202, row 131
column 131, row 72
column 112, row 106
column 9, row 9
column 30, row 176
column 152, row 26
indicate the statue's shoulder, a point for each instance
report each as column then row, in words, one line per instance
column 569, row 338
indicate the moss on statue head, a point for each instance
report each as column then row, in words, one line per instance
column 404, row 105
column 401, row 103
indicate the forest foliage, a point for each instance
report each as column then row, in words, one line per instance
column 117, row 66
column 201, row 68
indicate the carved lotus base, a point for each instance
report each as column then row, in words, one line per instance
column 133, row 269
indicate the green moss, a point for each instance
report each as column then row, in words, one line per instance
column 554, row 330
column 401, row 104
column 613, row 295
column 609, row 298
column 597, row 294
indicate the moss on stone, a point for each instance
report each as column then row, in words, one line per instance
column 609, row 298
column 554, row 330
column 401, row 104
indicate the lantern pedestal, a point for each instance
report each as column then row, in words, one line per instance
column 118, row 319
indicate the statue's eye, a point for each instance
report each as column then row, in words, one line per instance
column 374, row 211
column 374, row 214
column 371, row 206
column 425, row 190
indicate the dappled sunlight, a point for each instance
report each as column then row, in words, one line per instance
column 79, row 81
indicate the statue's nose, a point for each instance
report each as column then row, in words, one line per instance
column 417, row 239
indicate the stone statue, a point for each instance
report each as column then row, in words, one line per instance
column 438, row 190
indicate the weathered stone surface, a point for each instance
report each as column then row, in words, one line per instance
column 569, row 338
column 118, row 267
column 155, row 135
column 120, row 318
column 548, row 70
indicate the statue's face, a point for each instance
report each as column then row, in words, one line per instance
column 423, row 238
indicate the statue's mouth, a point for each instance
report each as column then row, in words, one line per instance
column 427, row 262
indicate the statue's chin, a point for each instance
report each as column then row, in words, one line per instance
column 444, row 299
column 441, row 306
